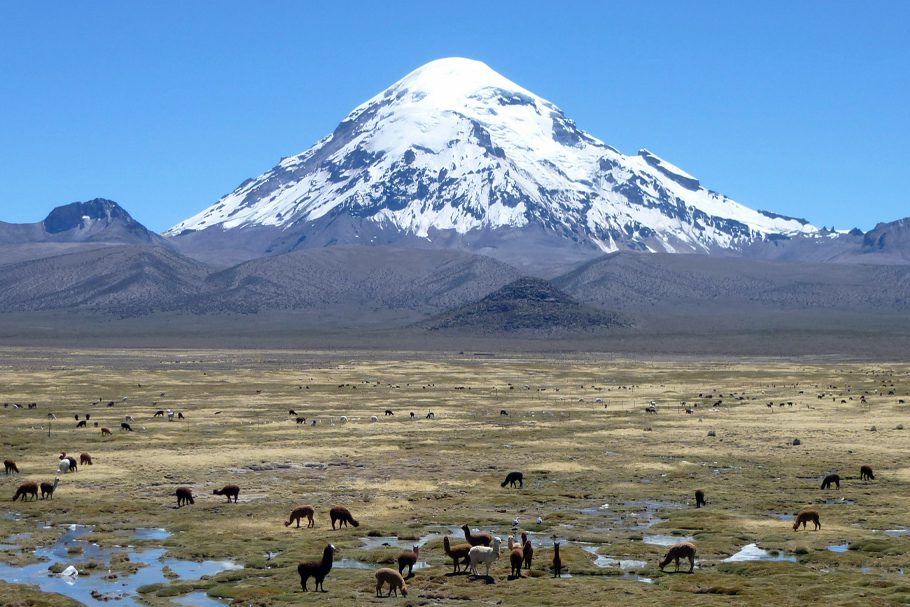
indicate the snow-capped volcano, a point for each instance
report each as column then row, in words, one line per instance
column 454, row 154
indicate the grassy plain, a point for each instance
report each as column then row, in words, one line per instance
column 577, row 427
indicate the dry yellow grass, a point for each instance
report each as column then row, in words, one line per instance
column 576, row 427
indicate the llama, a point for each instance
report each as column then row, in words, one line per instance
column 105, row 431
column 374, row 418
column 126, row 426
column 458, row 553
column 85, row 459
column 184, row 496
column 47, row 489
column 10, row 466
column 683, row 550
column 229, row 491
column 503, row 413
column 527, row 549
column 316, row 569
column 128, row 418
column 389, row 412
column 831, row 478
column 292, row 412
column 476, row 539
column 806, row 515
column 393, row 579
column 299, row 513
column 700, row 498
column 344, row 419
column 300, row 420
column 485, row 555
column 512, row 478
column 73, row 463
column 26, row 489
column 557, row 562
column 180, row 415
column 64, row 466
column 81, row 424
column 516, row 558
column 865, row 473
column 343, row 516
column 159, row 413
column 408, row 559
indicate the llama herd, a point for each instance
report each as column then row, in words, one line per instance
column 482, row 549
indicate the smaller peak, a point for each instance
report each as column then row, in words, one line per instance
column 72, row 215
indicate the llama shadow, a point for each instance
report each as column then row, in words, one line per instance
column 487, row 579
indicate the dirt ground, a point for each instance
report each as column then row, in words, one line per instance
column 606, row 478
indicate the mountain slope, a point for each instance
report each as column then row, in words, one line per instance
column 672, row 283
column 454, row 155
column 119, row 279
column 355, row 278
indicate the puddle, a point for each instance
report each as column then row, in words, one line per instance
column 352, row 564
column 839, row 501
column 897, row 532
column 392, row 541
column 783, row 516
column 751, row 552
column 666, row 540
column 198, row 599
column 603, row 561
column 92, row 582
column 602, row 510
column 636, row 578
column 839, row 547
column 151, row 534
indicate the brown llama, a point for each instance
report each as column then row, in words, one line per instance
column 865, row 473
column 476, row 539
column 229, row 491
column 806, row 515
column 700, row 498
column 831, row 478
column 459, row 553
column 343, row 516
column 26, row 489
column 557, row 562
column 184, row 496
column 527, row 549
column 10, row 466
column 299, row 513
column 85, row 459
column 684, row 550
column 105, row 431
column 516, row 558
column 47, row 489
column 408, row 559
column 316, row 569
column 393, row 579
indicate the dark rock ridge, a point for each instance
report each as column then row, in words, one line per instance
column 526, row 305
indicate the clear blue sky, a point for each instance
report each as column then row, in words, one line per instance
column 801, row 108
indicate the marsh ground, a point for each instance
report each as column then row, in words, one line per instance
column 603, row 474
